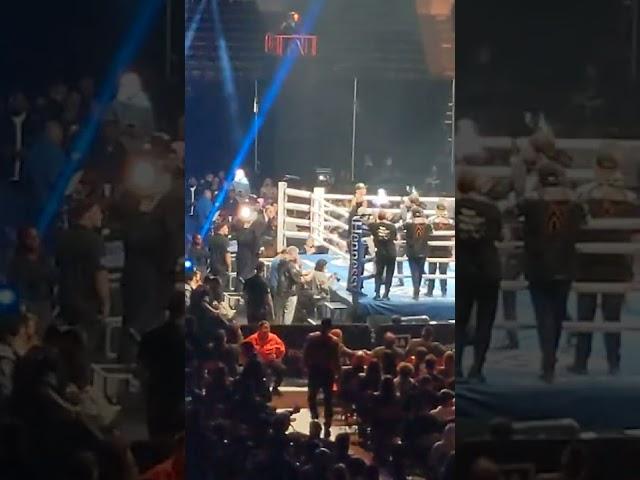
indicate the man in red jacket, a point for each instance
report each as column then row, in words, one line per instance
column 270, row 349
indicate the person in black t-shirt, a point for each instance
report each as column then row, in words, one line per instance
column 257, row 297
column 478, row 227
column 247, row 256
column 220, row 258
column 416, row 231
column 604, row 198
column 161, row 355
column 439, row 223
column 84, row 282
column 552, row 221
column 384, row 235
column 198, row 254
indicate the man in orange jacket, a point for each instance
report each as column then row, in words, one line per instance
column 270, row 349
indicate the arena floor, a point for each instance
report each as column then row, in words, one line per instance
column 401, row 303
column 596, row 401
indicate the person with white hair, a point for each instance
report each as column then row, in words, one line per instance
column 132, row 107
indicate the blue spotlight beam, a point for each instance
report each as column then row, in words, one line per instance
column 193, row 26
column 269, row 99
column 83, row 141
column 227, row 74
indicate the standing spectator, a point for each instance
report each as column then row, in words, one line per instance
column 45, row 161
column 198, row 254
column 268, row 191
column 161, row 355
column 257, row 297
column 320, row 281
column 192, row 280
column 289, row 279
column 247, row 254
column 203, row 207
column 132, row 108
column 17, row 132
column 478, row 228
column 552, row 221
column 34, row 275
column 84, row 281
column 271, row 350
column 220, row 257
column 321, row 357
column 109, row 154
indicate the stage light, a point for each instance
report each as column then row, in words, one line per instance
column 240, row 175
column 381, row 198
column 141, row 177
column 245, row 213
column 188, row 264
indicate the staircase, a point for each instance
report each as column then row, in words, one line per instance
column 243, row 32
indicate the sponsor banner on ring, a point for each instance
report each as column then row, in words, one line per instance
column 356, row 254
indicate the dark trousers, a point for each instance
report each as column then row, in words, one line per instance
column 483, row 294
column 511, row 270
column 611, row 312
column 385, row 268
column 442, row 269
column 321, row 380
column 416, row 265
column 276, row 370
column 549, row 300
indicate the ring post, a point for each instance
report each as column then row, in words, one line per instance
column 281, row 241
column 317, row 218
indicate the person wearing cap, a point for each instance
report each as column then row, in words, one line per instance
column 552, row 222
column 603, row 198
column 478, row 228
column 416, row 233
column 84, row 293
column 440, row 222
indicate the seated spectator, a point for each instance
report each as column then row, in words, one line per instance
column 17, row 336
column 442, row 449
column 448, row 369
column 220, row 352
column 386, row 416
column 33, row 273
column 271, row 350
column 425, row 341
column 404, row 381
column 447, row 409
column 389, row 343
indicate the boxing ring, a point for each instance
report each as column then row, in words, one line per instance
column 324, row 217
column 597, row 400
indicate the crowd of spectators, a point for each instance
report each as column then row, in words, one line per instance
column 110, row 253
column 400, row 400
